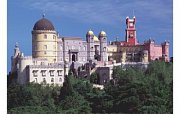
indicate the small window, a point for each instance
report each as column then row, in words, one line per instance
column 44, row 80
column 43, row 72
column 104, row 48
column 35, row 80
column 54, row 37
column 51, row 72
column 52, row 79
column 45, row 52
column 54, row 46
column 35, row 72
column 60, row 79
column 59, row 72
column 45, row 47
column 84, row 48
column 45, row 36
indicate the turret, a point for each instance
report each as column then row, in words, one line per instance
column 131, row 31
column 14, row 58
column 165, row 51
column 90, row 45
column 103, row 45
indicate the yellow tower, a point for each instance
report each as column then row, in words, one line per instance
column 44, row 40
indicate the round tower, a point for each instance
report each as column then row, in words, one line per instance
column 165, row 51
column 44, row 40
column 14, row 58
column 90, row 45
column 103, row 45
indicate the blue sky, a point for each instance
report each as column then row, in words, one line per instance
column 76, row 17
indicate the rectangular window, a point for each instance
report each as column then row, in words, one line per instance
column 35, row 80
column 59, row 72
column 45, row 52
column 43, row 72
column 51, row 72
column 34, row 72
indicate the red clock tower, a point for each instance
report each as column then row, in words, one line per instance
column 131, row 31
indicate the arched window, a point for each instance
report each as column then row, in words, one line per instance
column 54, row 36
column 84, row 48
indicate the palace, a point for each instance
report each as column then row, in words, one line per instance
column 54, row 56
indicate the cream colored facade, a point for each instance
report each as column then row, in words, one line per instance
column 39, row 70
column 44, row 45
column 127, row 53
column 52, row 75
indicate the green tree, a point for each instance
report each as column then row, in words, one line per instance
column 94, row 78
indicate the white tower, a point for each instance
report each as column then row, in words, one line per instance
column 103, row 45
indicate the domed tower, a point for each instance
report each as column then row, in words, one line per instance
column 44, row 40
column 103, row 46
column 90, row 45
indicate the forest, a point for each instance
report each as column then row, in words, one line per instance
column 132, row 90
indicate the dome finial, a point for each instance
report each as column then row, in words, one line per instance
column 43, row 15
column 16, row 45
